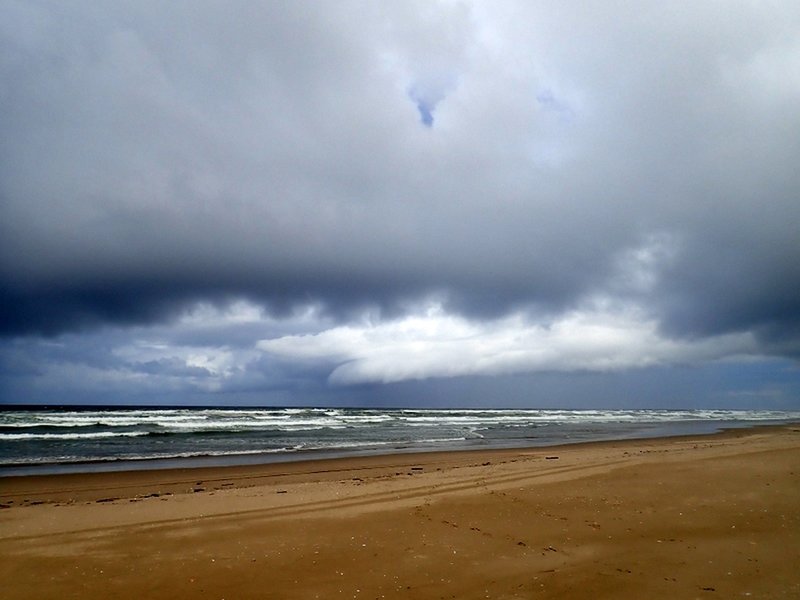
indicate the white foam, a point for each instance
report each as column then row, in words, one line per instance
column 69, row 436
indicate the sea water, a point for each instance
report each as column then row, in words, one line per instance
column 95, row 439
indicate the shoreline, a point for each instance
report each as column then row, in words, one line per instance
column 258, row 458
column 656, row 517
column 174, row 479
column 14, row 486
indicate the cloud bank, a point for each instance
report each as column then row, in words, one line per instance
column 438, row 345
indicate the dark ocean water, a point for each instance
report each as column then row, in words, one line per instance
column 47, row 441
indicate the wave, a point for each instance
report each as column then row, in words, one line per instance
column 288, row 449
column 187, row 417
column 18, row 437
column 49, row 435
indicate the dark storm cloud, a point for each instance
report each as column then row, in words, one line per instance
column 154, row 157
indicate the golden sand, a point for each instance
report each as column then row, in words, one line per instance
column 705, row 517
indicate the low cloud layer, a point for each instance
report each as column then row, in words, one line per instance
column 591, row 188
column 437, row 345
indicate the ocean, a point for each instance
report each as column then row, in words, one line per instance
column 83, row 440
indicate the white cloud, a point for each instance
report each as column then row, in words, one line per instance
column 435, row 344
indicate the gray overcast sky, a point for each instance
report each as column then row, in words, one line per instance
column 500, row 203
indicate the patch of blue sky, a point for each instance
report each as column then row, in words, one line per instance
column 425, row 106
column 425, row 114
column 548, row 101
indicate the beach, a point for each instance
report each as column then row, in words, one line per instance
column 712, row 516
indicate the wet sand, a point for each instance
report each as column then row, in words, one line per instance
column 705, row 517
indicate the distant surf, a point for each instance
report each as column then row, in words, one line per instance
column 71, row 440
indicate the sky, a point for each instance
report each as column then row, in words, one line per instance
column 418, row 203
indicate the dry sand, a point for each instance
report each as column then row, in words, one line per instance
column 707, row 517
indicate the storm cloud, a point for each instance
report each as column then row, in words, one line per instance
column 499, row 181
